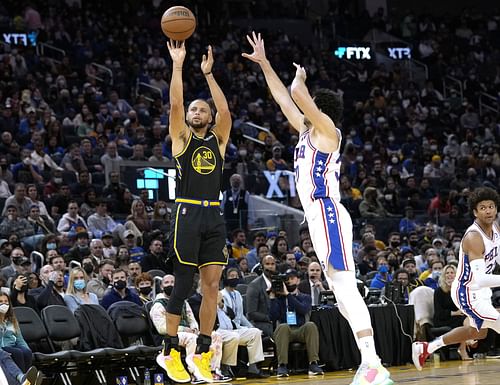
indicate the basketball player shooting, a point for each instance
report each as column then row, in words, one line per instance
column 317, row 174
column 198, row 230
column 471, row 289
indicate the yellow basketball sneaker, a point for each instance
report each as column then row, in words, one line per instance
column 172, row 364
column 372, row 374
column 199, row 365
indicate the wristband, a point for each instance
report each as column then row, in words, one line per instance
column 207, row 73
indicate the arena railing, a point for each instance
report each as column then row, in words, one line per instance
column 53, row 53
column 488, row 102
column 448, row 82
column 150, row 88
column 100, row 70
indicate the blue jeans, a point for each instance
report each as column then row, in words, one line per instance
column 21, row 356
column 9, row 367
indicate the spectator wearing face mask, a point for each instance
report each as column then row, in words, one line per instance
column 235, row 205
column 383, row 276
column 436, row 268
column 77, row 294
column 144, row 286
column 119, row 292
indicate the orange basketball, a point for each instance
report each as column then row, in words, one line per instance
column 178, row 23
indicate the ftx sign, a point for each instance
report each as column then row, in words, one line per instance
column 360, row 53
column 24, row 39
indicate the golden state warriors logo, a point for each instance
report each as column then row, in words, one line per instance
column 203, row 160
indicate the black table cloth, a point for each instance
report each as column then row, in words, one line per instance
column 338, row 349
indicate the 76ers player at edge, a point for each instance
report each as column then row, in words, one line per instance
column 470, row 290
column 317, row 168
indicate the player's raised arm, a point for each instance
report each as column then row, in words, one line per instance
column 276, row 86
column 178, row 129
column 305, row 102
column 223, row 119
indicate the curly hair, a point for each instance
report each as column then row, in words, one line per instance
column 330, row 104
column 481, row 194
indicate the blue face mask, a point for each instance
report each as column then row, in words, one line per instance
column 79, row 284
column 383, row 268
column 51, row 246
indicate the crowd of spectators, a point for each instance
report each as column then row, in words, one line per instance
column 72, row 232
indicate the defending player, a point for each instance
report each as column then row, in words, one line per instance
column 198, row 230
column 317, row 173
column 470, row 290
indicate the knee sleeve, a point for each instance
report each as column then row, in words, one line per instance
column 183, row 283
column 351, row 304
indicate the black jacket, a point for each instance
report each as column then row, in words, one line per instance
column 97, row 328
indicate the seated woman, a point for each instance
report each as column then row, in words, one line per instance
column 77, row 294
column 144, row 286
column 445, row 311
column 11, row 339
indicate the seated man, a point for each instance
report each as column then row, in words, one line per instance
column 289, row 307
column 258, row 297
column 100, row 284
column 119, row 292
column 230, row 303
column 188, row 327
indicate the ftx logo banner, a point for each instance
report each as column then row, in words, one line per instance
column 25, row 39
column 358, row 53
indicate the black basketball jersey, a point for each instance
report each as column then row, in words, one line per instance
column 199, row 168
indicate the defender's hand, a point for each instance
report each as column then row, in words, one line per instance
column 259, row 53
column 300, row 73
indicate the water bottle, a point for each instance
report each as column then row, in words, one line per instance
column 147, row 377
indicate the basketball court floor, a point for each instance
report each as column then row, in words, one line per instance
column 477, row 372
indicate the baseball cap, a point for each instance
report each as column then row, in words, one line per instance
column 305, row 260
column 408, row 260
column 437, row 240
column 436, row 158
column 271, row 234
column 30, row 110
column 3, row 242
column 292, row 273
column 128, row 233
column 406, row 249
column 82, row 234
column 107, row 234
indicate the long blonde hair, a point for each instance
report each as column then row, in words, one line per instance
column 442, row 278
column 71, row 286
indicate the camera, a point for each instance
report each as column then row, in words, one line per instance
column 277, row 281
column 395, row 292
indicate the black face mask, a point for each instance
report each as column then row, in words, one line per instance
column 231, row 282
column 16, row 261
column 291, row 288
column 395, row 243
column 88, row 267
column 168, row 290
column 120, row 285
column 413, row 243
column 145, row 290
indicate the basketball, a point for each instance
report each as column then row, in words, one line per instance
column 178, row 23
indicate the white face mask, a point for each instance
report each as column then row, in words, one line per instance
column 162, row 211
column 4, row 308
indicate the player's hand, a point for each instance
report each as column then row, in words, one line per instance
column 177, row 51
column 207, row 61
column 300, row 74
column 259, row 53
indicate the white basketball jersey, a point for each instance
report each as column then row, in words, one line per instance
column 491, row 255
column 317, row 174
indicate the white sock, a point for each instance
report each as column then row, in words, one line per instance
column 368, row 353
column 435, row 345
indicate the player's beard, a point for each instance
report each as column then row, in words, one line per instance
column 197, row 126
